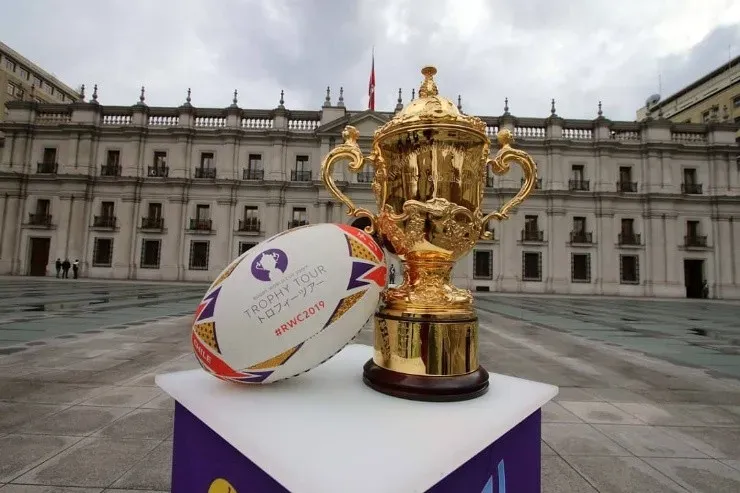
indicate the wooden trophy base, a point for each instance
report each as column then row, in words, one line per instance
column 423, row 387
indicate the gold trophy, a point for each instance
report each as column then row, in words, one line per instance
column 430, row 165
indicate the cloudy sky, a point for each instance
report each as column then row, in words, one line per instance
column 576, row 51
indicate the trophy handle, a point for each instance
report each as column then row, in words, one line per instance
column 351, row 151
column 500, row 165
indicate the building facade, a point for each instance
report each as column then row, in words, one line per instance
column 152, row 193
column 712, row 98
column 23, row 80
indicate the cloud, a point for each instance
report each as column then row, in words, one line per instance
column 578, row 52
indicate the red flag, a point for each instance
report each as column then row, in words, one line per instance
column 371, row 88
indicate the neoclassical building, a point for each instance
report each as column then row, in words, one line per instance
column 154, row 193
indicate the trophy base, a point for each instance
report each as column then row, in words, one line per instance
column 429, row 388
column 426, row 356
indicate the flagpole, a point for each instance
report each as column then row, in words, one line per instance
column 371, row 85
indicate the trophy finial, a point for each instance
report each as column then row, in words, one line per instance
column 428, row 87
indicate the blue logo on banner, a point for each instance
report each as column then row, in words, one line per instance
column 501, row 473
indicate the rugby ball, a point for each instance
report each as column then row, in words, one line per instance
column 289, row 303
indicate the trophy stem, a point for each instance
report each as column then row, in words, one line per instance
column 426, row 337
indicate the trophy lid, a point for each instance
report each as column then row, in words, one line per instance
column 430, row 110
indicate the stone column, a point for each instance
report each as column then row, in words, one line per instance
column 604, row 237
column 181, row 223
column 272, row 218
column 62, row 218
column 22, row 208
column 133, row 230
column 85, row 220
column 557, row 264
column 673, row 264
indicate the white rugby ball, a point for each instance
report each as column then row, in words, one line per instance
column 288, row 304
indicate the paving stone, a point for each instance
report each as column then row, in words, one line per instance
column 658, row 414
column 646, row 441
column 53, row 393
column 719, row 443
column 161, row 401
column 622, row 475
column 75, row 421
column 15, row 414
column 558, row 476
column 93, row 461
column 29, row 488
column 552, row 412
column 545, row 449
column 700, row 475
column 123, row 397
column 599, row 412
column 152, row 424
column 614, row 395
column 579, row 439
column 19, row 453
column 153, row 472
column 574, row 394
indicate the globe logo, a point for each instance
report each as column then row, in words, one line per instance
column 270, row 265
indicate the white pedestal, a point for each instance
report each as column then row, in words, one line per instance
column 325, row 431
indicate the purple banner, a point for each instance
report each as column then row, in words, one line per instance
column 203, row 462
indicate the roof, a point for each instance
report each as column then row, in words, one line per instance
column 714, row 73
column 11, row 53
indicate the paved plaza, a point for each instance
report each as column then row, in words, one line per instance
column 649, row 390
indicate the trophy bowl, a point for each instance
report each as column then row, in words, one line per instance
column 430, row 164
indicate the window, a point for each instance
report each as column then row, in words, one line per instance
column 629, row 269
column 576, row 172
column 113, row 158
column 736, row 102
column 580, row 267
column 251, row 219
column 206, row 160
column 199, row 255
column 154, row 210
column 628, row 227
column 23, row 73
column 150, row 254
column 301, row 163
column 102, row 252
column 530, row 223
column 625, row 174
column 254, row 162
column 302, row 171
column 11, row 89
column 202, row 212
column 300, row 216
column 482, row 264
column 160, row 159
column 50, row 155
column 43, row 206
column 689, row 176
column 579, row 225
column 9, row 64
column 37, row 81
column 705, row 117
column 693, row 229
column 251, row 212
column 531, row 266
column 107, row 209
column 244, row 246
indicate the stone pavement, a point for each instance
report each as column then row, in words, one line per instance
column 85, row 413
column 36, row 310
